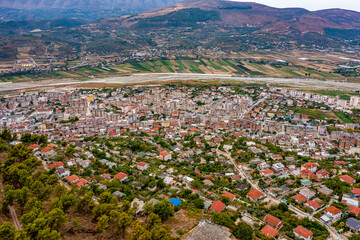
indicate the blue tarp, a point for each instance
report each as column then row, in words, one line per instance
column 175, row 201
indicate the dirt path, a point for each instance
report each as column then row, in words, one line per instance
column 15, row 219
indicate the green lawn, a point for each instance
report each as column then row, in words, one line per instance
column 343, row 117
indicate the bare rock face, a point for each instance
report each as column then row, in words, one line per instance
column 86, row 4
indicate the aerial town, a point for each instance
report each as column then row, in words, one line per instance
column 231, row 162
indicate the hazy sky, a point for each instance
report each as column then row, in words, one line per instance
column 310, row 4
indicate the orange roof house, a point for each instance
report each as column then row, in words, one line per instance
column 299, row 198
column 56, row 165
column 269, row 231
column 33, row 146
column 302, row 232
column 217, row 206
column 273, row 221
column 122, row 176
column 348, row 179
column 72, row 179
column 254, row 195
column 229, row 195
column 46, row 149
column 81, row 182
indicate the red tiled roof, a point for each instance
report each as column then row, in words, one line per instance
column 56, row 165
column 267, row 172
column 33, row 146
column 333, row 210
column 72, row 178
column 347, row 179
column 356, row 191
column 81, row 182
column 269, row 231
column 273, row 221
column 300, row 198
column 312, row 204
column 303, row 232
column 217, row 206
column 229, row 195
column 354, row 210
column 121, row 175
column 142, row 164
column 255, row 194
column 46, row 149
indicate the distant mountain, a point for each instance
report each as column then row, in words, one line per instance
column 247, row 14
column 90, row 10
column 139, row 5
column 226, row 25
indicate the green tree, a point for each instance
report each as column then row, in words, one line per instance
column 106, row 197
column 7, row 231
column 153, row 220
column 223, row 219
column 123, row 222
column 22, row 196
column 164, row 210
column 283, row 207
column 56, row 219
column 102, row 225
column 243, row 231
column 6, row 135
column 199, row 203
column 48, row 234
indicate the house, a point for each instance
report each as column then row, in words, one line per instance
column 56, row 165
column 267, row 172
column 309, row 166
column 307, row 174
column 354, row 210
column 303, row 233
column 121, row 176
column 72, row 179
column 241, row 186
column 229, row 195
column 306, row 192
column 263, row 166
column 278, row 167
column 81, row 182
column 321, row 174
column 217, row 206
column 325, row 191
column 299, row 198
column 313, row 205
column 142, row 166
column 118, row 194
column 207, row 230
column 34, row 147
column 47, row 152
column 348, row 179
column 269, row 231
column 63, row 172
column 208, row 182
column 356, row 191
column 353, row 224
column 255, row 195
column 273, row 221
column 165, row 156
column 333, row 213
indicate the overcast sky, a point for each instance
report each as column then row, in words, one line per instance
column 310, row 4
